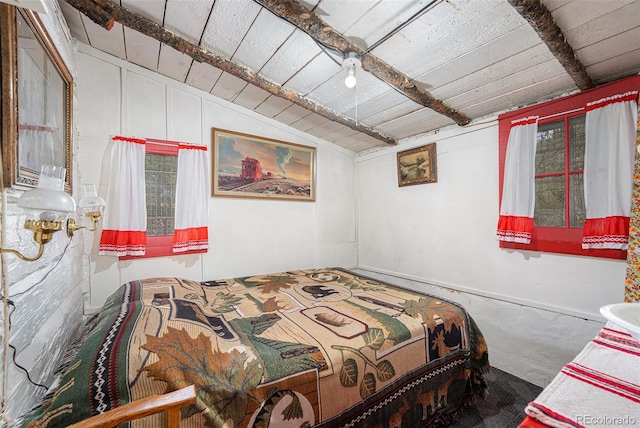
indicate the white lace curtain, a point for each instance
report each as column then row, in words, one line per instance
column 518, row 191
column 192, row 200
column 125, row 218
column 608, row 170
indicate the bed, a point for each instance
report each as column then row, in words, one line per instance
column 308, row 348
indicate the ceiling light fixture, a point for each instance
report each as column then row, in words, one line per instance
column 350, row 62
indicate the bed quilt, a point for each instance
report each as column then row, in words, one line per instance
column 308, row 348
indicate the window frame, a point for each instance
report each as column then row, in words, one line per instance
column 161, row 246
column 551, row 239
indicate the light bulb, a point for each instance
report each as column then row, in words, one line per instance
column 350, row 80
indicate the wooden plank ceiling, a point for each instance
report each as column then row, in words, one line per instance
column 425, row 64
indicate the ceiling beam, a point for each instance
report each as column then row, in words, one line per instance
column 105, row 13
column 539, row 17
column 311, row 24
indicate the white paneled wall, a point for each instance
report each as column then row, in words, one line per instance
column 247, row 236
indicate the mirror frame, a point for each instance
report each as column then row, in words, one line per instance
column 16, row 175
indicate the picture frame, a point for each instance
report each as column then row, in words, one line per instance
column 249, row 166
column 37, row 94
column 418, row 166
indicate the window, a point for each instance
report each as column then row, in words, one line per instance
column 560, row 210
column 161, row 169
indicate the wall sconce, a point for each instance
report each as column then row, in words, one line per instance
column 350, row 62
column 46, row 207
column 91, row 205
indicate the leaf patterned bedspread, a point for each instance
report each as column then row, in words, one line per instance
column 308, row 348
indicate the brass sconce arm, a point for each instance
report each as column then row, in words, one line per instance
column 72, row 226
column 43, row 231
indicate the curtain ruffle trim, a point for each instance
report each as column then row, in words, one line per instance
column 525, row 121
column 131, row 140
column 515, row 229
column 619, row 98
column 122, row 243
column 191, row 239
column 608, row 232
column 183, row 146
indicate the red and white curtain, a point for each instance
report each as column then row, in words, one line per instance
column 192, row 200
column 518, row 192
column 608, row 170
column 125, row 219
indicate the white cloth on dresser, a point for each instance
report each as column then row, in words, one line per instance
column 600, row 387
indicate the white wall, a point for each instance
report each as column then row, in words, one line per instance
column 247, row 236
column 537, row 309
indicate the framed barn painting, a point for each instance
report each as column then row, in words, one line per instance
column 248, row 166
column 418, row 166
column 36, row 100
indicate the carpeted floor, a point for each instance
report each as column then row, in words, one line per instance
column 503, row 405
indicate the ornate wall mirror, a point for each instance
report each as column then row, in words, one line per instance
column 36, row 100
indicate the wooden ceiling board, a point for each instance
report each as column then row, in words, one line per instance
column 611, row 47
column 496, row 26
column 272, row 106
column 173, row 63
column 228, row 86
column 310, row 121
column 297, row 51
column 524, row 63
column 313, row 74
column 251, row 97
column 324, row 129
column 153, row 10
column 608, row 25
column 203, row 76
column 187, row 18
column 378, row 20
column 388, row 115
column 537, row 74
column 577, row 13
column 340, row 133
column 624, row 65
column 523, row 96
column 495, row 55
column 291, row 114
column 74, row 22
column 552, row 5
column 414, row 123
column 419, row 35
column 229, row 21
column 142, row 50
column 335, row 95
column 111, row 42
column 341, row 14
column 379, row 106
column 256, row 49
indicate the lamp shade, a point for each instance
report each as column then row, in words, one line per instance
column 90, row 201
column 48, row 201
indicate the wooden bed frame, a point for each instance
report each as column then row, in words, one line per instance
column 170, row 402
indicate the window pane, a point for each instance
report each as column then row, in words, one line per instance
column 160, row 176
column 576, row 143
column 550, row 148
column 577, row 209
column 550, row 208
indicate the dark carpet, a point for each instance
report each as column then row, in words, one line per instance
column 503, row 405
